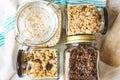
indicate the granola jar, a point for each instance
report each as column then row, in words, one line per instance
column 85, row 19
column 39, row 24
column 81, row 58
column 42, row 64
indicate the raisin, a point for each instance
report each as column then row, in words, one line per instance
column 49, row 66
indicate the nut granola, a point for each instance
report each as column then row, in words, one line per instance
column 41, row 63
column 84, row 19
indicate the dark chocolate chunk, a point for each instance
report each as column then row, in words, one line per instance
column 81, row 74
column 49, row 66
column 83, row 8
column 29, row 67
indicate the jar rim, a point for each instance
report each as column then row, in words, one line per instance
column 80, row 38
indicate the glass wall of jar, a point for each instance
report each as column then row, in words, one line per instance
column 39, row 23
column 81, row 58
column 42, row 64
column 85, row 18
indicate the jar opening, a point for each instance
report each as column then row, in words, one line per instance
column 37, row 21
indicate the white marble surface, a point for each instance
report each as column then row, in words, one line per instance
column 8, row 52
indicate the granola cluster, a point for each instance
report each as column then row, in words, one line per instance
column 41, row 63
column 84, row 19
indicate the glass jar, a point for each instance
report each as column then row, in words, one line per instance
column 85, row 18
column 39, row 24
column 81, row 58
column 42, row 64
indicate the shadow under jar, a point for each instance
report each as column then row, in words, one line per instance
column 86, row 19
column 81, row 58
column 39, row 64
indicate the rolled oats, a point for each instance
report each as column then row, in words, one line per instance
column 57, row 36
column 39, row 24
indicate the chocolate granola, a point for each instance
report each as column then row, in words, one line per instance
column 83, row 63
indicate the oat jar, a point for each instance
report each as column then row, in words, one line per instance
column 39, row 24
column 39, row 64
column 81, row 58
column 85, row 19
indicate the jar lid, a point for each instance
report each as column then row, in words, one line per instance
column 37, row 22
column 19, row 63
column 80, row 38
